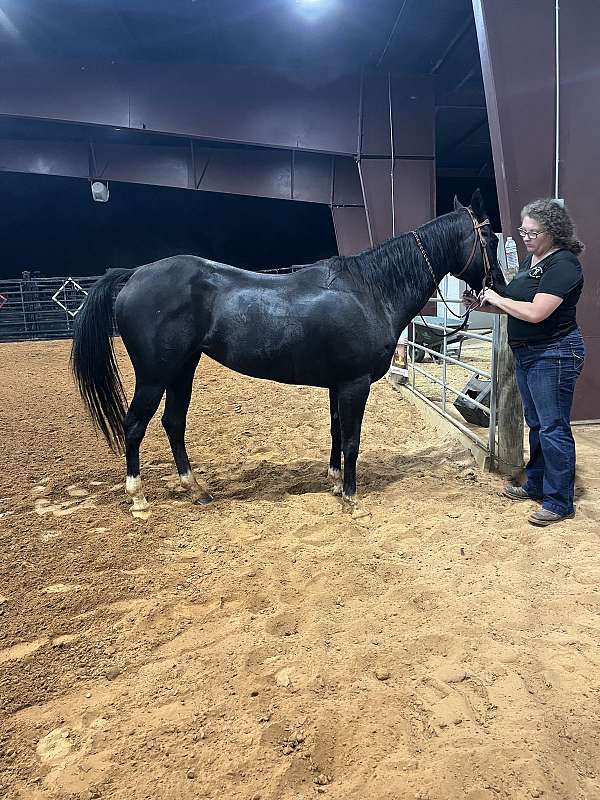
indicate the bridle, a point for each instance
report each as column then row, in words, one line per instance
column 488, row 280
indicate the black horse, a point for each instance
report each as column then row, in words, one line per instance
column 333, row 324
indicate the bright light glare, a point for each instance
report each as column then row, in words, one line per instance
column 8, row 25
column 314, row 10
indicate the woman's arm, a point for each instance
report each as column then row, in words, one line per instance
column 538, row 310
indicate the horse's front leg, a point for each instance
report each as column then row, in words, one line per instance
column 179, row 394
column 352, row 399
column 146, row 399
column 335, row 459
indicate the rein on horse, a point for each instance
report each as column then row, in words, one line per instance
column 477, row 226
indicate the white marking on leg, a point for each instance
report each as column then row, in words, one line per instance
column 191, row 485
column 358, row 512
column 133, row 487
column 188, row 481
column 336, row 474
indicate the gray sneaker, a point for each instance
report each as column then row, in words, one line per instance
column 546, row 517
column 517, row 493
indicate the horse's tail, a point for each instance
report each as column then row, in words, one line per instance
column 93, row 362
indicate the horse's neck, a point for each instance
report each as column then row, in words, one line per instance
column 441, row 247
column 424, row 283
column 498, row 279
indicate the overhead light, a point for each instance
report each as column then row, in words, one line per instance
column 100, row 191
column 314, row 9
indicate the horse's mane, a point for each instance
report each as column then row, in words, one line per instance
column 397, row 265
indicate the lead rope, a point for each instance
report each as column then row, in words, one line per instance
column 464, row 317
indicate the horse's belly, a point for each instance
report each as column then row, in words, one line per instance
column 310, row 343
column 283, row 368
column 303, row 366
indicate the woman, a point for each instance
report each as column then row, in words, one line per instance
column 548, row 351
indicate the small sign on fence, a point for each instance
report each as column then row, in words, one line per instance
column 70, row 305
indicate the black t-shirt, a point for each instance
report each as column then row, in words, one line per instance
column 559, row 274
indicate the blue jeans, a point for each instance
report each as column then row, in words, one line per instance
column 546, row 375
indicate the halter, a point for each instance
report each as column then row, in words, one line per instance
column 487, row 268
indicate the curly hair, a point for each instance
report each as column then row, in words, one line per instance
column 556, row 219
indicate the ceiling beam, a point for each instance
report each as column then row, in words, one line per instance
column 464, row 29
column 390, row 38
column 466, row 77
column 467, row 135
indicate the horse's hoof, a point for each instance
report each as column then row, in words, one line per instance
column 337, row 490
column 350, row 499
column 140, row 504
column 203, row 500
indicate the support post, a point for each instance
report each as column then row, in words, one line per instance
column 509, row 459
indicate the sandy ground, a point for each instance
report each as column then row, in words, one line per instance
column 270, row 646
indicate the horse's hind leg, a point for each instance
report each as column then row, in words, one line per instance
column 146, row 399
column 335, row 459
column 179, row 393
column 351, row 404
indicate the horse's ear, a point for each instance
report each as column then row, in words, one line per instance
column 457, row 204
column 478, row 206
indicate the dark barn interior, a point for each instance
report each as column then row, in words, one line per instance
column 141, row 223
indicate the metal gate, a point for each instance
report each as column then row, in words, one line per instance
column 455, row 374
column 40, row 308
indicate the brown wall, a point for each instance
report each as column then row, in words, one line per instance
column 579, row 173
column 517, row 48
column 296, row 141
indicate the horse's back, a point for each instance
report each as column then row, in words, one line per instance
column 168, row 309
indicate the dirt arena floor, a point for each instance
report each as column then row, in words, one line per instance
column 271, row 646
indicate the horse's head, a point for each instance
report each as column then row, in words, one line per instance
column 478, row 246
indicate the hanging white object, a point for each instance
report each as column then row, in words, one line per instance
column 100, row 192
column 512, row 256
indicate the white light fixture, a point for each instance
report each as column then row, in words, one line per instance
column 100, row 191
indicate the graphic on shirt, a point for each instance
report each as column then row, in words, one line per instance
column 536, row 272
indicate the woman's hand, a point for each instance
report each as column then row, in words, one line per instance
column 491, row 297
column 472, row 302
